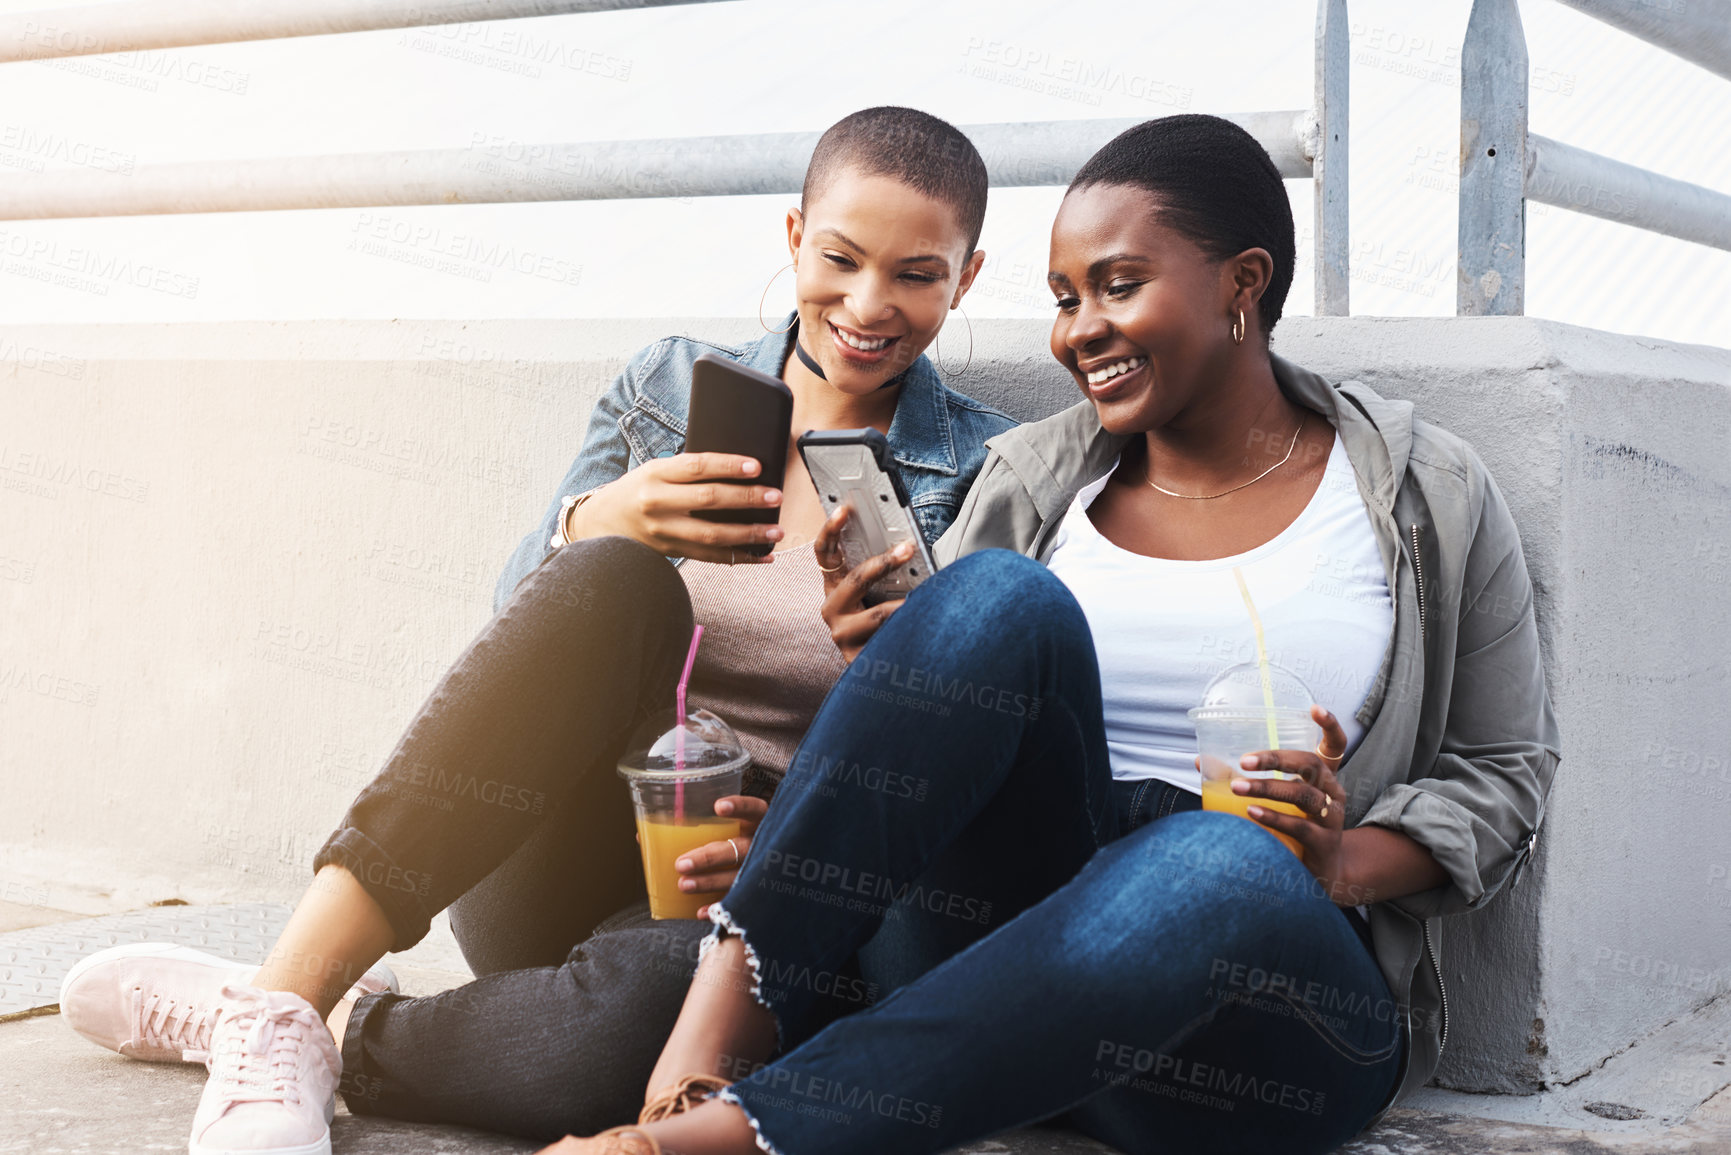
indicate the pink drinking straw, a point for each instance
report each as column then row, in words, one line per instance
column 679, row 736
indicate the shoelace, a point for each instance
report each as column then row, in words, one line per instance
column 264, row 1065
column 681, row 1097
column 163, row 1022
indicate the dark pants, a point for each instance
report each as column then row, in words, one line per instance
column 501, row 801
column 1168, row 984
column 539, row 1052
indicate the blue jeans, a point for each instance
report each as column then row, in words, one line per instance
column 1165, row 983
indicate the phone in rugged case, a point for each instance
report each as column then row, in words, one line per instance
column 736, row 409
column 854, row 467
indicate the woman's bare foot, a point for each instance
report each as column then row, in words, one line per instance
column 722, row 1030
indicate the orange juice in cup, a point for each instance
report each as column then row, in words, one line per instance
column 663, row 842
column 1217, row 795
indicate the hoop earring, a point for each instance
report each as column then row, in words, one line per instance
column 1237, row 327
column 765, row 297
column 938, row 352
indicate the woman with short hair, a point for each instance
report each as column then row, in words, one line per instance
column 501, row 800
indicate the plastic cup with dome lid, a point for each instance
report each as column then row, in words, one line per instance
column 1248, row 708
column 678, row 770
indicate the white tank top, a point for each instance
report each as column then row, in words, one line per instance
column 1162, row 628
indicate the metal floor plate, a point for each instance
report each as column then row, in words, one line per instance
column 32, row 962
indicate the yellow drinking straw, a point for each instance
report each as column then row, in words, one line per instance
column 1261, row 661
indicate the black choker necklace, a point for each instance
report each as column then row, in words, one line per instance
column 810, row 362
column 807, row 359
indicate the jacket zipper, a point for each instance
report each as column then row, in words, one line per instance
column 1436, row 969
column 1527, row 851
column 1418, row 575
column 1429, row 951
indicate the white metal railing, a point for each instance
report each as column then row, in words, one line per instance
column 139, row 25
column 1304, row 143
column 1696, row 30
column 494, row 171
column 1503, row 165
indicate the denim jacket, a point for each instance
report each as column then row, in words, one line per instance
column 937, row 435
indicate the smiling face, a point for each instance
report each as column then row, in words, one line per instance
column 880, row 265
column 1144, row 314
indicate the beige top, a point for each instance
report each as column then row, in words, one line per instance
column 767, row 659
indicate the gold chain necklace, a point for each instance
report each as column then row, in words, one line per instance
column 1148, row 463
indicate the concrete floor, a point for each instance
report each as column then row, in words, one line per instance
column 59, row 1094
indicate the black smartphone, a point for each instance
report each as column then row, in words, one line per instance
column 855, row 467
column 736, row 409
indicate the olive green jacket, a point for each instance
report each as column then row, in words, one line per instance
column 1461, row 743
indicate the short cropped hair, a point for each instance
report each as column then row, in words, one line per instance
column 925, row 153
column 1214, row 183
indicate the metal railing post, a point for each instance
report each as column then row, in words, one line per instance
column 1329, row 158
column 1491, row 277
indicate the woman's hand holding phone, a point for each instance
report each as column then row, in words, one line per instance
column 653, row 504
column 851, row 622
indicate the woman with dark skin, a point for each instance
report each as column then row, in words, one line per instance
column 1197, row 401
column 1124, row 925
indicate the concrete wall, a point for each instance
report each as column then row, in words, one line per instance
column 235, row 558
column 1612, row 454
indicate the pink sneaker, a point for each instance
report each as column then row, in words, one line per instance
column 156, row 1001
column 273, row 1078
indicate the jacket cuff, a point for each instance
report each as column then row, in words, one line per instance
column 1446, row 830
